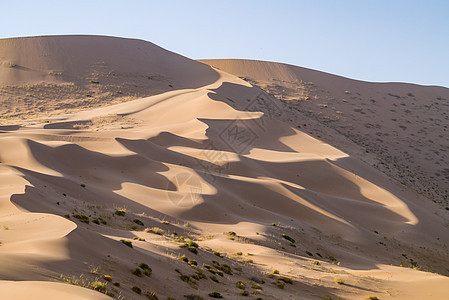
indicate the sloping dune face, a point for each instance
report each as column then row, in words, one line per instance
column 205, row 186
column 399, row 128
column 39, row 75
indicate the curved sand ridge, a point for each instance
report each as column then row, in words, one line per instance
column 399, row 128
column 196, row 162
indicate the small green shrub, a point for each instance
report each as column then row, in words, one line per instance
column 146, row 269
column 137, row 272
column 193, row 263
column 217, row 253
column 226, row 268
column 155, row 230
column 127, row 243
column 373, row 298
column 137, row 290
column 82, row 218
column 214, row 278
column 244, row 294
column 240, row 285
column 82, row 185
column 215, row 295
column 191, row 246
column 288, row 238
column 120, row 212
column 99, row 286
column 280, row 285
column 151, row 295
column 138, row 222
column 286, row 280
column 339, row 280
column 107, row 278
column 255, row 286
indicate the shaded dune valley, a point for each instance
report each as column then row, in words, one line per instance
column 131, row 172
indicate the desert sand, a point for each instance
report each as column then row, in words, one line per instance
column 211, row 180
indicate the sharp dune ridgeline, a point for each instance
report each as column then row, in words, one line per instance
column 132, row 172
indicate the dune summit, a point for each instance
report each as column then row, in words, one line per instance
column 41, row 75
column 207, row 187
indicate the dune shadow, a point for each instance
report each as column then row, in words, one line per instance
column 10, row 127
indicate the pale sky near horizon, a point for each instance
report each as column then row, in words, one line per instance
column 383, row 40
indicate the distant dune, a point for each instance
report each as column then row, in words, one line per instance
column 39, row 75
column 212, row 187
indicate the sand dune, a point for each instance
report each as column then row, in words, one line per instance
column 398, row 128
column 210, row 162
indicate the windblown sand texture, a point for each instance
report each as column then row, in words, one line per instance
column 213, row 159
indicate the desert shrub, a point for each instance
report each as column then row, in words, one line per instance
column 137, row 290
column 151, row 295
column 309, row 253
column 127, row 243
column 137, row 272
column 99, row 286
column 120, row 212
column 138, row 222
column 240, row 285
column 215, row 295
column 244, row 294
column 226, row 269
column 339, row 280
column 280, row 285
column 155, row 230
column 82, row 185
column 255, row 286
column 82, row 218
column 193, row 263
column 107, row 278
column 217, row 253
column 213, row 278
column 191, row 246
column 286, row 280
column 288, row 238
column 146, row 269
column 184, row 258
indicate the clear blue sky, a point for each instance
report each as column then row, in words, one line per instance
column 381, row 40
